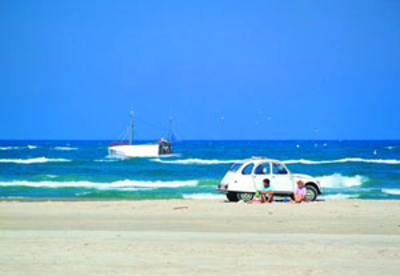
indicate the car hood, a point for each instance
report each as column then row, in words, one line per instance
column 304, row 177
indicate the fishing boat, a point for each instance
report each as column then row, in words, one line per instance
column 162, row 147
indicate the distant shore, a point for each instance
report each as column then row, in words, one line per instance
column 199, row 237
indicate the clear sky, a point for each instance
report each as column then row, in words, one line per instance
column 221, row 69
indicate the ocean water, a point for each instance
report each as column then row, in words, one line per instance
column 82, row 169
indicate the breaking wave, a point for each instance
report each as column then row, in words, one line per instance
column 16, row 148
column 34, row 160
column 203, row 196
column 8, row 148
column 339, row 196
column 198, row 161
column 391, row 191
column 65, row 148
column 343, row 160
column 106, row 160
column 125, row 185
column 339, row 181
column 111, row 158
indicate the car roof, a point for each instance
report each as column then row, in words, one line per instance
column 260, row 159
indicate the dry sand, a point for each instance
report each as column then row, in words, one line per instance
column 194, row 237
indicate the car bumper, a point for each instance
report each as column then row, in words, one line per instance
column 222, row 189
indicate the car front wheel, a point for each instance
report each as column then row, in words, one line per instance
column 311, row 193
column 245, row 196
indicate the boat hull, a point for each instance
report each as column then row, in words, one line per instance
column 130, row 151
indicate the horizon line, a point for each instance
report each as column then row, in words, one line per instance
column 219, row 140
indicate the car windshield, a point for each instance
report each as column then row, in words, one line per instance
column 235, row 167
column 247, row 170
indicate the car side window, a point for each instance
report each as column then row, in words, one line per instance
column 247, row 170
column 278, row 169
column 263, row 169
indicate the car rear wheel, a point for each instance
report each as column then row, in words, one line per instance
column 233, row 197
column 311, row 193
column 245, row 196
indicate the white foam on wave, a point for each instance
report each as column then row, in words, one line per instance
column 106, row 160
column 198, row 161
column 343, row 160
column 391, row 191
column 34, row 160
column 339, row 181
column 8, row 148
column 203, row 196
column 16, row 148
column 121, row 185
column 339, row 196
column 124, row 189
column 111, row 158
column 392, row 147
column 65, row 148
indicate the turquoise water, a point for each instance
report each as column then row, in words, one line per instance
column 82, row 169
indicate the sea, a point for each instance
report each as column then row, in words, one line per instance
column 83, row 169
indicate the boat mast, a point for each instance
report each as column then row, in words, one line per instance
column 170, row 130
column 131, row 128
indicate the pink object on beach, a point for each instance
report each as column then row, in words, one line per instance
column 256, row 200
column 300, row 191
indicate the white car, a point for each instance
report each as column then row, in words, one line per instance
column 244, row 179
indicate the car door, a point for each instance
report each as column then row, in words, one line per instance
column 281, row 178
column 245, row 178
column 261, row 172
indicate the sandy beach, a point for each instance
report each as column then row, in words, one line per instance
column 199, row 237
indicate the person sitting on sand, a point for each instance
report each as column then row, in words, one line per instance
column 267, row 189
column 300, row 192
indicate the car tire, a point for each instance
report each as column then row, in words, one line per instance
column 311, row 193
column 232, row 197
column 245, row 196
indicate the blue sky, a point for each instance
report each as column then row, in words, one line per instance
column 221, row 69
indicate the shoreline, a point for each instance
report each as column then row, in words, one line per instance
column 97, row 199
